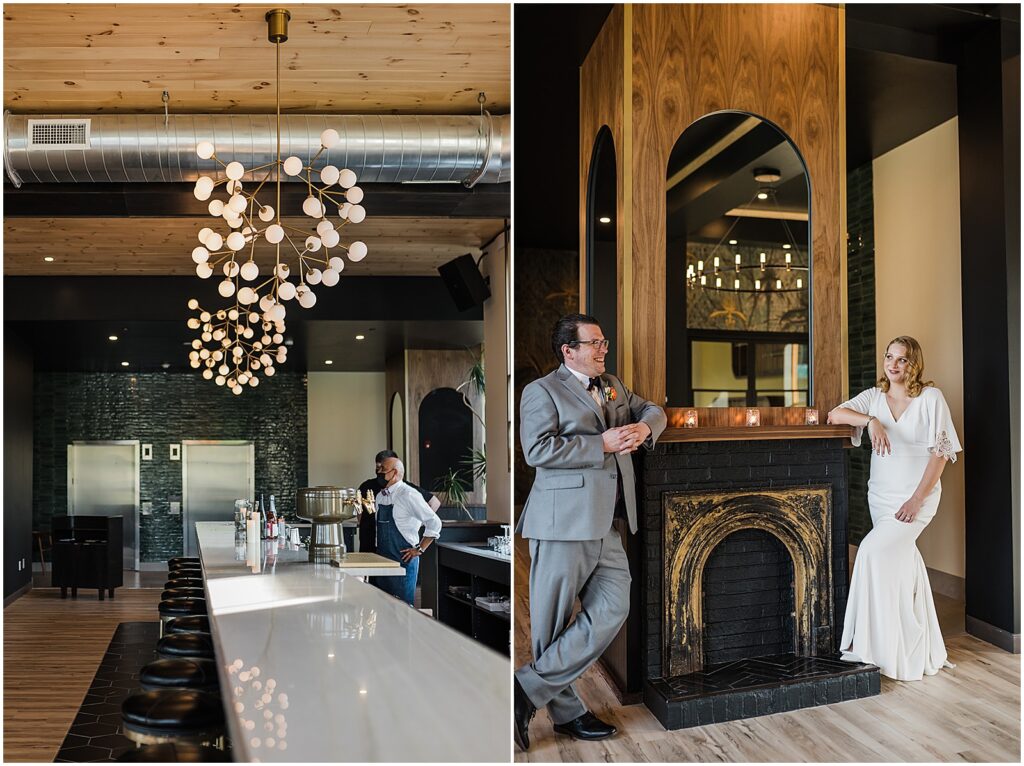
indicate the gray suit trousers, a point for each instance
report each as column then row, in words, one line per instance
column 597, row 572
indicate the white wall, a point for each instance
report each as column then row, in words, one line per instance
column 498, row 383
column 917, row 293
column 347, row 426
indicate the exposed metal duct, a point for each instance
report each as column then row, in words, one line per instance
column 152, row 148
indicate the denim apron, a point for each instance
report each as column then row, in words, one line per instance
column 389, row 545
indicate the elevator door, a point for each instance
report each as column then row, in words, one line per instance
column 213, row 476
column 103, row 480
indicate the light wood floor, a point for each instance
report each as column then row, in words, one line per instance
column 970, row 713
column 51, row 651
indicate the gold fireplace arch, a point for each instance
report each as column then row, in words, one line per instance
column 696, row 522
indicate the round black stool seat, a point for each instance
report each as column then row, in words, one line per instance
column 185, row 645
column 174, row 752
column 182, row 560
column 182, row 607
column 184, row 582
column 182, row 592
column 197, row 624
column 173, row 713
column 184, row 673
column 185, row 568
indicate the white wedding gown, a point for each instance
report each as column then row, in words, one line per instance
column 890, row 615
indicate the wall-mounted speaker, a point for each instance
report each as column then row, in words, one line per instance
column 465, row 282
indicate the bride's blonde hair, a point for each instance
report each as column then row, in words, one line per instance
column 915, row 366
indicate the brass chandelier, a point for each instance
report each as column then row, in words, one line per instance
column 235, row 345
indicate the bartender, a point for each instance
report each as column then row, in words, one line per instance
column 401, row 511
column 367, row 523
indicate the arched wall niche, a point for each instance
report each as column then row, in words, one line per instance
column 602, row 271
column 670, row 65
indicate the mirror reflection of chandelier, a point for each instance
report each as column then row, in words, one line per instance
column 763, row 269
column 237, row 344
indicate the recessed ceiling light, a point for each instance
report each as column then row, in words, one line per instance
column 328, row 361
column 762, row 195
column 733, row 242
column 48, row 258
column 111, row 337
column 786, row 246
column 166, row 365
column 124, row 364
column 360, row 337
column 605, row 219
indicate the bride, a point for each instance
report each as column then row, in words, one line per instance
column 890, row 615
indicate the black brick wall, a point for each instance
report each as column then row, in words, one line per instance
column 163, row 409
column 860, row 275
column 771, row 464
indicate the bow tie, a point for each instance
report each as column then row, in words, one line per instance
column 594, row 383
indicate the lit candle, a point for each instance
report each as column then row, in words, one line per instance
column 753, row 416
column 811, row 417
column 690, row 419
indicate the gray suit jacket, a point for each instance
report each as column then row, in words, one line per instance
column 560, row 426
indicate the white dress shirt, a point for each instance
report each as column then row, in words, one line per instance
column 597, row 394
column 410, row 511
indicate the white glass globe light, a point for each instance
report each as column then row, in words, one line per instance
column 293, row 166
column 307, row 300
column 282, row 271
column 204, row 149
column 233, row 187
column 216, row 207
column 236, row 241
column 204, row 270
column 237, row 389
column 357, row 214
column 311, row 207
column 195, row 364
column 278, row 338
column 269, row 371
column 197, row 344
column 233, row 315
column 204, row 353
column 234, row 171
column 237, row 352
column 204, row 316
column 237, row 203
column 331, row 238
column 234, row 221
column 286, row 291
column 329, row 175
column 253, row 316
column 312, row 243
column 214, row 242
column 274, row 233
column 336, row 262
column 265, row 359
column 219, row 380
column 208, row 373
column 230, row 269
column 266, row 302
column 248, row 333
column 347, row 178
column 324, row 226
column 218, row 355
column 249, row 269
column 266, row 213
column 278, row 312
column 206, row 338
column 354, row 195
column 254, row 381
column 329, row 138
column 195, row 354
column 204, row 233
column 226, row 288
column 201, row 193
column 357, row 251
column 193, row 323
column 193, row 303
column 313, row 276
column 200, row 255
column 343, row 210
column 331, row 277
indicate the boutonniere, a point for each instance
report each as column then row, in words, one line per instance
column 609, row 394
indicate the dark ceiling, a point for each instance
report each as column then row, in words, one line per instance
column 900, row 82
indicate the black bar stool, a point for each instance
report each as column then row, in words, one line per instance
column 185, row 645
column 184, row 582
column 198, row 624
column 180, row 607
column 183, row 673
column 182, row 560
column 182, row 592
column 174, row 752
column 173, row 715
column 196, row 570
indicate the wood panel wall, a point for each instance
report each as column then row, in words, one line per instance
column 601, row 89
column 780, row 62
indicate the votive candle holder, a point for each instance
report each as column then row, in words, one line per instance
column 690, row 419
column 753, row 417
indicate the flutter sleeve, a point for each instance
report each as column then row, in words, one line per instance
column 942, row 438
column 860, row 403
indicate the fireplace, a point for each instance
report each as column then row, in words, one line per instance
column 743, row 577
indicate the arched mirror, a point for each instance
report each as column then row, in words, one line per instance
column 737, row 204
column 398, row 426
column 446, row 439
column 602, row 259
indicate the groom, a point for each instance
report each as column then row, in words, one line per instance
column 578, row 427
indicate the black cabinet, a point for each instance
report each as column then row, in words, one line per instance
column 87, row 553
column 464, row 576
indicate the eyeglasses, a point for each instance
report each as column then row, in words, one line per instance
column 600, row 345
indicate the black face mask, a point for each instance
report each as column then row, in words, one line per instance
column 381, row 481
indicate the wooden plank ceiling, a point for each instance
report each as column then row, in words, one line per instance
column 409, row 59
column 163, row 246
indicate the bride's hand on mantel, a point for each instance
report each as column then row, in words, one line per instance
column 879, row 438
column 909, row 510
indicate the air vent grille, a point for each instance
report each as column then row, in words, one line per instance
column 58, row 134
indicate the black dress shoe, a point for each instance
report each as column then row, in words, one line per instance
column 588, row 726
column 524, row 711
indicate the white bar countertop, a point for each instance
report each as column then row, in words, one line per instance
column 316, row 665
column 477, row 549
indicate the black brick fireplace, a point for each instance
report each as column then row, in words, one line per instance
column 743, row 580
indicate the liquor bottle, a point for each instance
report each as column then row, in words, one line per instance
column 261, row 517
column 278, row 521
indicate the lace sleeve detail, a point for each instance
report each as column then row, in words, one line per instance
column 944, row 447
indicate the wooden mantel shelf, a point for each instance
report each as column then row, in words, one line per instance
column 744, row 433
